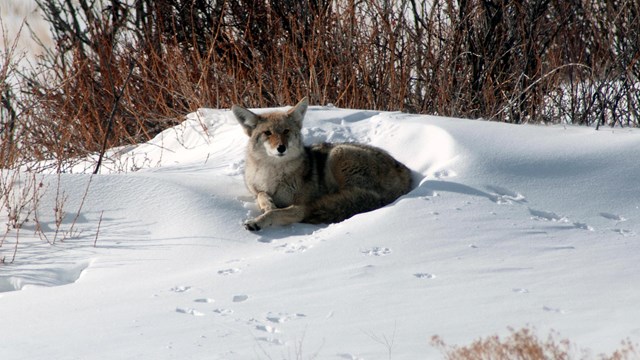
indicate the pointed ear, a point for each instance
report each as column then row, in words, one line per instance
column 298, row 111
column 246, row 118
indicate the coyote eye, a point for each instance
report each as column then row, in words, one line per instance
column 268, row 133
column 286, row 131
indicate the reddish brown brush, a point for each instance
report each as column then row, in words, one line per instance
column 524, row 344
column 548, row 61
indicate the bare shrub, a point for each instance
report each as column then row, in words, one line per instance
column 8, row 110
column 548, row 61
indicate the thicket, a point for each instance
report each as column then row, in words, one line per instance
column 122, row 71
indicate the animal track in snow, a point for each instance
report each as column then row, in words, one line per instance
column 267, row 328
column 283, row 317
column 424, row 276
column 583, row 226
column 229, row 271
column 271, row 340
column 613, row 217
column 235, row 168
column 292, row 248
column 550, row 309
column 189, row 311
column 223, row 312
column 240, row 298
column 180, row 289
column 505, row 196
column 377, row 251
column 547, row 216
column 204, row 300
column 540, row 215
column 624, row 232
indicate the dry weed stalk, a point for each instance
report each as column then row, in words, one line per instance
column 95, row 239
column 524, row 344
column 20, row 205
column 20, row 194
column 58, row 209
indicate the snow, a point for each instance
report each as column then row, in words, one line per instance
column 508, row 226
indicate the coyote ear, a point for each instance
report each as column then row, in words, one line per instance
column 298, row 111
column 246, row 118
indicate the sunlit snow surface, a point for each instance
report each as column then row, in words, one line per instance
column 508, row 226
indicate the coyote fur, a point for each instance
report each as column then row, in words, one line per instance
column 321, row 183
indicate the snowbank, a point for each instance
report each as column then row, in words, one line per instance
column 508, row 226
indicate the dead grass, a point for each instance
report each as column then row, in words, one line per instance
column 524, row 344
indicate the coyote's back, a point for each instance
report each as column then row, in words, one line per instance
column 322, row 183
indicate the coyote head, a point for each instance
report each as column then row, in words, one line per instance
column 276, row 133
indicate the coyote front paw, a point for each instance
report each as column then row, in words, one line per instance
column 251, row 225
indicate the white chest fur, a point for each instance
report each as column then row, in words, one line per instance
column 281, row 180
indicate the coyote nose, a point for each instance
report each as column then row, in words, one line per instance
column 281, row 149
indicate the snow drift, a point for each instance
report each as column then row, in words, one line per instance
column 507, row 226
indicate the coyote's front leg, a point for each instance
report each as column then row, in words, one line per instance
column 265, row 202
column 286, row 216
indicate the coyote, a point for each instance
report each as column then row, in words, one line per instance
column 321, row 183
